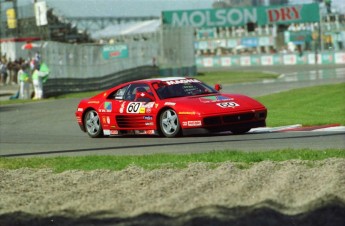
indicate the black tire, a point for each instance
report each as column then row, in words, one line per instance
column 169, row 124
column 240, row 130
column 92, row 124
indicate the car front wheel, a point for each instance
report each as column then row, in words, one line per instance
column 169, row 123
column 92, row 124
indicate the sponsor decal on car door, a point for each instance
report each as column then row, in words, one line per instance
column 139, row 107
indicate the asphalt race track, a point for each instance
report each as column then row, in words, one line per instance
column 49, row 128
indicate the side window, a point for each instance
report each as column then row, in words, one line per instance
column 130, row 95
column 133, row 89
column 118, row 94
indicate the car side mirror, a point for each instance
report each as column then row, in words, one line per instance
column 218, row 87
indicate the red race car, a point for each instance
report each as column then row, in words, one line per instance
column 169, row 107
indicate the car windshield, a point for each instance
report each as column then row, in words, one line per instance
column 168, row 89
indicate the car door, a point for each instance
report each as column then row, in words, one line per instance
column 109, row 108
column 136, row 112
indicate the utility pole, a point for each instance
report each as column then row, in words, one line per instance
column 1, row 27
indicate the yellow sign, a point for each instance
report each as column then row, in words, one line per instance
column 11, row 18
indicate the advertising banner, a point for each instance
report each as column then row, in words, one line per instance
column 272, row 59
column 255, row 60
column 266, row 41
column 339, row 58
column 208, row 62
column 277, row 59
column 327, row 58
column 240, row 16
column 290, row 59
column 267, row 60
column 217, row 61
column 114, row 51
column 246, row 61
column 226, row 61
column 250, row 41
column 202, row 45
column 302, row 59
column 235, row 60
column 232, row 43
column 298, row 37
column 312, row 57
column 206, row 33
column 11, row 18
column 199, row 62
column 221, row 43
column 41, row 13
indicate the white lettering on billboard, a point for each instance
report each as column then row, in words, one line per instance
column 220, row 14
column 221, row 18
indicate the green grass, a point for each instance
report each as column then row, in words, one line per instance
column 242, row 160
column 317, row 105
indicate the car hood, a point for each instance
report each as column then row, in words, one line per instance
column 213, row 104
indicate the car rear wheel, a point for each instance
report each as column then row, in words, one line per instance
column 92, row 124
column 169, row 123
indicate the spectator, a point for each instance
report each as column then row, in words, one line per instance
column 24, row 82
column 44, row 71
column 3, row 71
column 37, row 57
column 39, row 76
column 37, row 82
column 12, row 68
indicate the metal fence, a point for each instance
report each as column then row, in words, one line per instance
column 81, row 67
column 167, row 48
column 86, row 61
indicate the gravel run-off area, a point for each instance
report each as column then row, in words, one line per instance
column 293, row 192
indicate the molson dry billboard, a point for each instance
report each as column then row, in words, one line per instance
column 240, row 16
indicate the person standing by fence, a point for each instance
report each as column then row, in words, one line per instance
column 3, row 71
column 24, row 83
column 37, row 82
column 39, row 76
column 44, row 71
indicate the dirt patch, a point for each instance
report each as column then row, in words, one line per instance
column 281, row 190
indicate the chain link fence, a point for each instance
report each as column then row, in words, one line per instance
column 83, row 67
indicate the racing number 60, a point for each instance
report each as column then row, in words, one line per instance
column 228, row 104
column 133, row 107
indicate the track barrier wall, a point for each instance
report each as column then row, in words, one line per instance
column 271, row 59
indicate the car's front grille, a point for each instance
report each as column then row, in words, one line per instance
column 228, row 119
column 238, row 117
column 213, row 120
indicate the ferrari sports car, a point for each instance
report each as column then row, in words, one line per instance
column 169, row 107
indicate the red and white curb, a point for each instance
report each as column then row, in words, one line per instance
column 300, row 128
